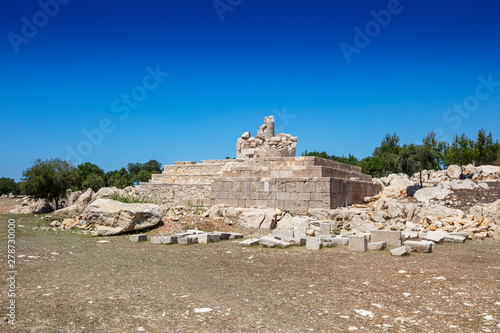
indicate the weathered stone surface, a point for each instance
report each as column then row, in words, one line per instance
column 138, row 238
column 285, row 235
column 401, row 251
column 186, row 240
column 270, row 241
column 203, row 239
column 357, row 243
column 417, row 246
column 432, row 193
column 340, row 240
column 112, row 217
column 375, row 246
column 257, row 218
column 250, row 242
column 289, row 223
column 453, row 171
column 325, row 228
column 393, row 238
column 313, row 243
column 85, row 198
column 234, row 235
column 436, row 236
column 156, row 239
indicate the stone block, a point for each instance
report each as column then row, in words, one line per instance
column 270, row 241
column 341, row 240
column 376, row 246
column 156, row 240
column 203, row 239
column 250, row 242
column 138, row 238
column 325, row 228
column 168, row 240
column 454, row 238
column 401, row 251
column 417, row 246
column 328, row 244
column 213, row 237
column 357, row 243
column 313, row 243
column 234, row 235
column 285, row 235
column 436, row 236
column 223, row 235
column 409, row 235
column 186, row 240
column 393, row 238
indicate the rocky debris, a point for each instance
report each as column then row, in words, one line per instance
column 32, row 206
column 266, row 143
column 289, row 222
column 138, row 238
column 432, row 193
column 85, row 198
column 113, row 217
column 401, row 251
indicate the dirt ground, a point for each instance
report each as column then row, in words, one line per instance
column 68, row 282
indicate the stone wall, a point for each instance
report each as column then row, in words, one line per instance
column 177, row 194
column 297, row 195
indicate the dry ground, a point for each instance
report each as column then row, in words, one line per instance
column 67, row 282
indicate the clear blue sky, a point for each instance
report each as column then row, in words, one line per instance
column 265, row 57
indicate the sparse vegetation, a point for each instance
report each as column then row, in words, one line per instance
column 131, row 199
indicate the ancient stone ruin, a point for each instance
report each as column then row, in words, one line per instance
column 265, row 143
column 266, row 173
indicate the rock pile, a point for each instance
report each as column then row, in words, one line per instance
column 266, row 143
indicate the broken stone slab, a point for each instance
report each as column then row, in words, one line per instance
column 357, row 243
column 436, row 236
column 207, row 238
column 433, row 245
column 416, row 246
column 300, row 240
column 401, row 251
column 213, row 237
column 454, row 238
column 325, row 238
column 234, row 235
column 313, row 243
column 463, row 234
column 138, row 238
column 376, row 246
column 250, row 242
column 270, row 241
column 325, row 228
column 169, row 240
column 156, row 240
column 393, row 238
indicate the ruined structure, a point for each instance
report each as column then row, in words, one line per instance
column 265, row 143
column 266, row 173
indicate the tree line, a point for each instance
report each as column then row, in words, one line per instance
column 432, row 154
column 49, row 179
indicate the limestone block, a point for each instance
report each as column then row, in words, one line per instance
column 357, row 243
column 313, row 243
column 250, row 242
column 393, row 238
column 417, row 246
column 377, row 246
column 325, row 228
column 156, row 240
column 138, row 238
column 401, row 251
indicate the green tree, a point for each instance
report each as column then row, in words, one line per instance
column 461, row 151
column 85, row 170
column 9, row 185
column 119, row 178
column 485, row 150
column 93, row 181
column 49, row 179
